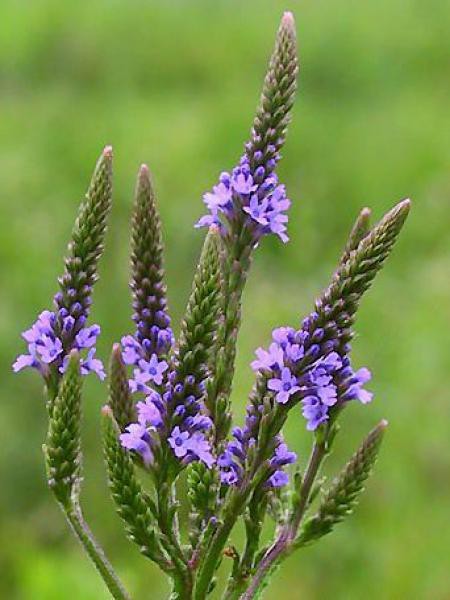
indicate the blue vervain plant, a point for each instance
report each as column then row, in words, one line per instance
column 171, row 418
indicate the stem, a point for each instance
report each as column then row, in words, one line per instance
column 182, row 576
column 282, row 545
column 317, row 455
column 218, row 542
column 94, row 551
column 233, row 511
column 239, row 578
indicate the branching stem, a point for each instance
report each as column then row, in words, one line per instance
column 282, row 544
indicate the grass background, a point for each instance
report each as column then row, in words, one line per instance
column 175, row 84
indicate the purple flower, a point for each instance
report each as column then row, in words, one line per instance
column 49, row 348
column 229, row 477
column 327, row 395
column 92, row 365
column 137, row 438
column 283, row 456
column 257, row 210
column 179, row 442
column 355, row 389
column 194, row 446
column 221, row 196
column 277, row 225
column 256, row 194
column 278, row 479
column 148, row 412
column 226, row 459
column 198, row 423
column 139, row 382
column 314, row 412
column 208, row 220
column 268, row 359
column 283, row 336
column 87, row 337
column 201, row 449
column 285, row 386
column 242, row 181
column 43, row 325
column 154, row 369
column 23, row 361
column 278, row 199
column 131, row 350
column 294, row 352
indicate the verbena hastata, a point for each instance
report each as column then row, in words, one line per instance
column 169, row 415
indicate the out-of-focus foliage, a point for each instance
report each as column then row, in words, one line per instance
column 175, row 84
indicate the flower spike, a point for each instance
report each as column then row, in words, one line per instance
column 340, row 500
column 51, row 338
column 153, row 330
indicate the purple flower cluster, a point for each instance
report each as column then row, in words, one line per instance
column 50, row 340
column 326, row 379
column 258, row 195
column 153, row 331
column 232, row 461
column 186, row 438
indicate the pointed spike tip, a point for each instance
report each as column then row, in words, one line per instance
column 117, row 349
column 74, row 354
column 144, row 170
column 404, row 204
column 288, row 19
column 383, row 424
column 366, row 212
column 106, row 411
column 108, row 151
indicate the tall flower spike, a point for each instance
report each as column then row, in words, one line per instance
column 197, row 339
column 84, row 251
column 54, row 334
column 340, row 500
column 341, row 299
column 120, row 399
column 252, row 202
column 147, row 273
column 63, row 446
column 325, row 334
column 273, row 113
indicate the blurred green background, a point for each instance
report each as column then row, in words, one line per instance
column 175, row 84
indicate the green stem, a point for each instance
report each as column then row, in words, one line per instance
column 219, row 539
column 281, row 547
column 182, row 576
column 254, row 520
column 235, row 588
column 94, row 551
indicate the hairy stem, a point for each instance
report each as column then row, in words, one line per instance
column 94, row 551
column 182, row 576
column 282, row 544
